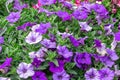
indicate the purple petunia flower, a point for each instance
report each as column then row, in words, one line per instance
column 64, row 35
column 40, row 54
column 25, row 70
column 108, row 29
column 82, row 59
column 47, row 2
column 106, row 60
column 62, row 50
column 74, row 41
column 7, row 63
column 36, row 62
column 61, row 76
column 79, row 14
column 48, row 44
column 92, row 74
column 77, row 42
column 97, row 43
column 84, row 26
column 68, row 5
column 18, row 6
column 112, row 54
column 13, row 17
column 117, row 37
column 42, row 28
column 101, row 49
column 53, row 68
column 100, row 9
column 106, row 74
column 33, row 38
column 39, row 75
column 63, row 15
column 48, row 13
column 25, row 25
column 1, row 40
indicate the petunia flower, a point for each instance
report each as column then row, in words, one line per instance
column 84, row 26
column 106, row 74
column 13, row 17
column 67, row 4
column 47, row 2
column 61, row 76
column 63, row 15
column 77, row 14
column 92, row 74
column 77, row 42
column 25, row 70
column 36, row 62
column 42, row 28
column 40, row 54
column 82, row 60
column 117, row 37
column 33, row 38
column 18, row 6
column 64, row 35
column 39, row 75
column 56, row 68
column 7, row 63
column 62, row 50
column 112, row 54
column 25, row 25
column 48, row 44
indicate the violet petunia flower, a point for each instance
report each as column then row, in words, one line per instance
column 108, row 29
column 77, row 14
column 33, row 38
column 40, row 54
column 39, row 75
column 63, row 50
column 64, row 35
column 81, row 59
column 48, row 44
column 54, row 68
column 74, row 41
column 61, row 76
column 68, row 5
column 36, row 62
column 25, row 25
column 106, row 60
column 25, row 70
column 13, row 17
column 77, row 42
column 7, row 63
column 63, row 15
column 1, row 40
column 84, row 26
column 92, row 74
column 42, row 28
column 18, row 6
column 106, row 74
column 117, row 37
column 47, row 2
column 112, row 54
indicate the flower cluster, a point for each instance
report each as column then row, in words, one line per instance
column 64, row 54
